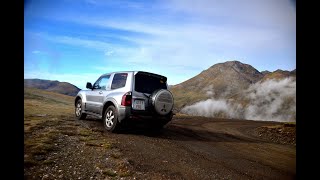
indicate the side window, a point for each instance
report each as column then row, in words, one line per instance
column 119, row 80
column 101, row 83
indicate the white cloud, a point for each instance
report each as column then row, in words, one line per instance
column 126, row 54
column 272, row 100
column 35, row 52
column 275, row 13
column 108, row 53
column 189, row 34
column 211, row 108
column 75, row 41
column 212, row 32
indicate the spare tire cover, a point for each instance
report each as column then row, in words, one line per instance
column 162, row 101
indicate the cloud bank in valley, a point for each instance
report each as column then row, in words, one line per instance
column 272, row 100
column 211, row 108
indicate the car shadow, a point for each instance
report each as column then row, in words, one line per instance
column 175, row 132
column 182, row 133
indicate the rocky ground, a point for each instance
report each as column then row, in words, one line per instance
column 57, row 146
column 283, row 134
column 188, row 148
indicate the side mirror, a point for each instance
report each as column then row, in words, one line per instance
column 89, row 85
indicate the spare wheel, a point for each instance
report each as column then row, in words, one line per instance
column 162, row 101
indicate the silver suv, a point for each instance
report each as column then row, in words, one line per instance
column 125, row 96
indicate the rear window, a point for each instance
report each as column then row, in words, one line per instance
column 147, row 83
column 119, row 80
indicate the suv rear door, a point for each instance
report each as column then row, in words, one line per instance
column 146, row 83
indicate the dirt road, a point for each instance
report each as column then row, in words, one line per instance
column 61, row 147
column 204, row 148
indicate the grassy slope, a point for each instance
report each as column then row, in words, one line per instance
column 50, row 127
column 39, row 103
column 278, row 75
column 43, row 102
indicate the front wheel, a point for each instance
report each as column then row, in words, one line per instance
column 78, row 110
column 110, row 119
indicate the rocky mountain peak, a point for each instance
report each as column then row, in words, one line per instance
column 265, row 72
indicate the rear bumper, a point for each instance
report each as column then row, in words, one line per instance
column 126, row 113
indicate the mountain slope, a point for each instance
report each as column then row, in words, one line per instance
column 54, row 86
column 279, row 74
column 220, row 80
column 265, row 72
column 236, row 90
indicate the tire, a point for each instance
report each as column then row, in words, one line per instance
column 110, row 119
column 162, row 101
column 79, row 111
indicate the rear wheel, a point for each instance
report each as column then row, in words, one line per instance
column 110, row 119
column 78, row 110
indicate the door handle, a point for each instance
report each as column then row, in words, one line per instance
column 100, row 92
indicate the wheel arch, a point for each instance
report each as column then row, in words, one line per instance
column 76, row 100
column 81, row 95
column 109, row 102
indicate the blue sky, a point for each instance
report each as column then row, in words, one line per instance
column 77, row 41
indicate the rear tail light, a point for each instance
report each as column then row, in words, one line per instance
column 126, row 99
